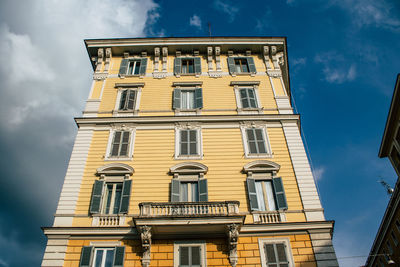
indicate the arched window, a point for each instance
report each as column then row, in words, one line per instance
column 188, row 183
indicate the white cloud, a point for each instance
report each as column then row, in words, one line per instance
column 227, row 8
column 299, row 61
column 318, row 173
column 335, row 67
column 195, row 21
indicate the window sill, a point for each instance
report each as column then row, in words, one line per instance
column 250, row 110
column 187, row 74
column 243, row 74
column 118, row 158
column 125, row 113
column 252, row 156
column 183, row 112
column 184, row 157
column 131, row 75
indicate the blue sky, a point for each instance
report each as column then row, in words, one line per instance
column 343, row 59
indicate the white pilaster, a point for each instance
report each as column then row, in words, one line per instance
column 55, row 252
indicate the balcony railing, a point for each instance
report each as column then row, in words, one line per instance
column 269, row 217
column 108, row 220
column 184, row 209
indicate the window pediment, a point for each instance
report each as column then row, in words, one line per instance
column 189, row 167
column 115, row 169
column 261, row 166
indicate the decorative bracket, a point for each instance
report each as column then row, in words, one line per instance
column 233, row 236
column 145, row 236
column 209, row 58
column 108, row 59
column 164, row 58
column 100, row 55
column 156, row 58
column 218, row 57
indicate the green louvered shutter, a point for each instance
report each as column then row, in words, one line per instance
column 199, row 97
column 203, row 190
column 124, row 66
column 177, row 66
column 279, row 193
column 86, row 256
column 119, row 256
column 143, row 66
column 175, row 190
column 231, row 65
column 131, row 100
column 123, row 99
column 177, row 99
column 251, row 189
column 252, row 66
column 96, row 196
column 197, row 65
column 126, row 193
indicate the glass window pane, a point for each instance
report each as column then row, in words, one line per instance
column 270, row 253
column 184, row 192
column 244, row 66
column 108, row 198
column 191, row 99
column 195, row 192
column 250, row 134
column 123, row 99
column 109, row 258
column 191, row 68
column 193, row 135
column 184, row 148
column 195, row 255
column 130, row 68
column 260, row 195
column 281, row 252
column 253, row 103
column 261, row 147
column 184, row 66
column 270, row 195
column 98, row 258
column 117, row 199
column 259, row 134
column 184, row 100
column 124, row 150
column 137, row 67
column 252, row 147
column 184, row 255
column 184, row 135
column 193, row 149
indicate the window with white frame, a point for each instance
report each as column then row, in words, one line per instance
column 102, row 256
column 247, row 98
column 241, row 65
column 186, row 98
column 255, row 142
column 187, row 66
column 190, row 254
column 188, row 143
column 275, row 253
column 120, row 144
column 133, row 66
column 128, row 99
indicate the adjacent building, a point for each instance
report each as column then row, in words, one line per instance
column 385, row 249
column 188, row 153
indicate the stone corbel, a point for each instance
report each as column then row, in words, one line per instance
column 233, row 236
column 266, row 57
column 100, row 55
column 164, row 58
column 108, row 59
column 274, row 57
column 209, row 58
column 218, row 57
column 145, row 236
column 156, row 59
column 281, row 59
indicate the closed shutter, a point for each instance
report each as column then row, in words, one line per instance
column 143, row 66
column 126, row 193
column 96, row 196
column 231, row 65
column 86, row 256
column 199, row 97
column 175, row 190
column 124, row 144
column 250, row 63
column 116, row 143
column 251, row 140
column 279, row 193
column 251, row 189
column 177, row 99
column 177, row 66
column 119, row 256
column 124, row 66
column 203, row 191
column 197, row 65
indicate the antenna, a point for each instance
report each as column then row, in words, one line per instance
column 209, row 29
column 389, row 189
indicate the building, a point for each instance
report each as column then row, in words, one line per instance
column 188, row 153
column 385, row 250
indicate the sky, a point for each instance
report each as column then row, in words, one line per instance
column 343, row 60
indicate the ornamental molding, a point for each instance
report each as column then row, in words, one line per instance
column 233, row 235
column 145, row 236
column 100, row 76
column 215, row 74
column 275, row 73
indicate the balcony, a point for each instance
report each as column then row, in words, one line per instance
column 264, row 217
column 189, row 218
column 108, row 220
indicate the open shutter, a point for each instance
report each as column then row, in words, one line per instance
column 131, row 100
column 197, row 65
column 96, row 196
column 119, row 256
column 199, row 97
column 124, row 66
column 177, row 66
column 250, row 63
column 123, row 99
column 126, row 193
column 177, row 99
column 86, row 256
column 143, row 66
column 231, row 65
column 251, row 189
column 175, row 190
column 203, row 191
column 279, row 193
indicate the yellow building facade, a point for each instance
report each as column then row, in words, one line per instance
column 188, row 153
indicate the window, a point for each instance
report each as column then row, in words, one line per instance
column 187, row 66
column 110, row 197
column 102, row 256
column 275, row 253
column 248, row 98
column 188, row 99
column 188, row 184
column 241, row 65
column 127, row 99
column 255, row 142
column 188, row 143
column 133, row 67
column 187, row 254
column 394, row 238
column 266, row 195
column 120, row 144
